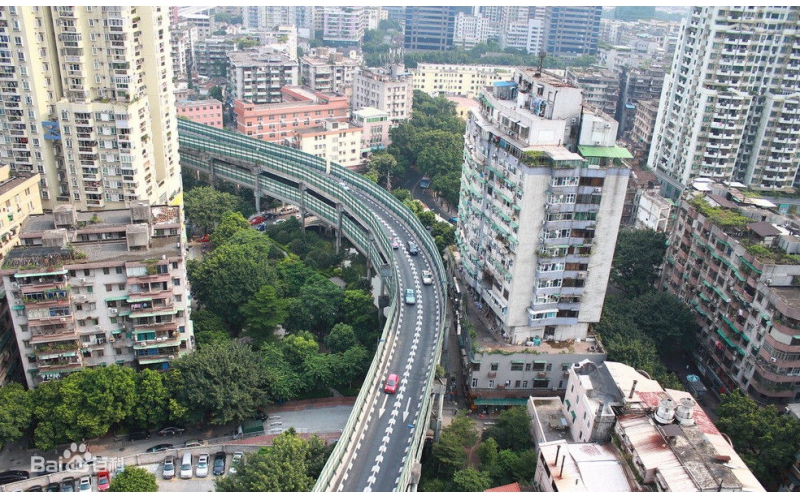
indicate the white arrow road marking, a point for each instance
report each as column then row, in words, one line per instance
column 405, row 413
column 382, row 449
column 379, row 459
column 395, row 412
column 383, row 406
column 392, row 421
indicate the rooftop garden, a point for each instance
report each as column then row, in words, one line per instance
column 727, row 218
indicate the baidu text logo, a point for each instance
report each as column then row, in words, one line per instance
column 76, row 457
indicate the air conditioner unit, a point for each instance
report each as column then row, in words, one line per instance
column 142, row 344
column 582, row 275
column 15, row 285
column 83, row 280
column 773, row 359
column 112, row 339
column 112, row 310
column 598, row 190
column 80, row 297
column 542, row 374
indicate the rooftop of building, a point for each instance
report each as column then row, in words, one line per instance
column 590, row 467
column 11, row 183
column 506, row 488
column 96, row 250
column 548, row 77
column 257, row 58
column 689, row 453
column 199, row 102
column 370, row 112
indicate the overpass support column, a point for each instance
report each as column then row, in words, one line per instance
column 302, row 187
column 256, row 169
column 210, row 161
column 339, row 210
column 370, row 254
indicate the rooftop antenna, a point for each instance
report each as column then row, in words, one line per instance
column 542, row 54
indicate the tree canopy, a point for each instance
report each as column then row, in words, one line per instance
column 204, row 206
column 133, row 479
column 222, row 383
column 16, row 410
column 291, row 464
column 764, row 439
column 638, row 255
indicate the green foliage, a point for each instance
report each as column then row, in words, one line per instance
column 723, row 217
column 231, row 274
column 387, row 168
column 83, row 405
column 204, row 206
column 230, row 224
column 291, row 464
column 626, row 342
column 341, row 338
column 152, row 407
column 637, row 256
column 765, row 440
column 360, row 313
column 401, row 194
column 208, row 328
column 222, row 383
column 16, row 410
column 133, row 479
column 263, row 313
column 216, row 93
column 512, row 430
column 470, row 479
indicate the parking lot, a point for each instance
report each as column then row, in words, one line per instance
column 195, row 484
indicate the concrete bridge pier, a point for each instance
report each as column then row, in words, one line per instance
column 339, row 211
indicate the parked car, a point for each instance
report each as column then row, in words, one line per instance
column 186, row 466
column 262, row 226
column 204, row 239
column 159, row 447
column 344, row 186
column 257, row 220
column 453, row 220
column 410, row 297
column 68, row 484
column 427, row 277
column 120, row 467
column 219, row 463
column 202, row 466
column 103, row 480
column 53, row 487
column 169, row 467
column 193, row 443
column 11, row 476
column 34, row 489
column 392, row 381
column 171, row 431
column 238, row 458
column 138, row 434
column 86, row 484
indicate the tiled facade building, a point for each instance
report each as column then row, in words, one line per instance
column 736, row 262
column 95, row 288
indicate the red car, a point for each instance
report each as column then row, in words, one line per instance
column 392, row 381
column 102, row 480
column 204, row 239
column 257, row 220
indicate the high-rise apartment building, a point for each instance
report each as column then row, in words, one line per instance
column 571, row 31
column 730, row 106
column 542, row 192
column 431, row 28
column 93, row 289
column 734, row 260
column 388, row 89
column 259, row 77
column 343, row 25
column 457, row 79
column 91, row 90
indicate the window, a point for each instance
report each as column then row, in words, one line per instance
column 493, row 367
column 491, row 384
column 106, row 270
column 516, row 366
column 474, row 383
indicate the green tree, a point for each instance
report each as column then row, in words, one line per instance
column 487, row 452
column 284, row 382
column 286, row 466
column 401, row 194
column 765, row 440
column 321, row 300
column 637, row 256
column 16, row 412
column 152, row 406
column 208, row 337
column 341, row 338
column 665, row 319
column 82, row 406
column 387, row 167
column 216, row 93
column 205, row 320
column 512, row 430
column 263, row 313
column 229, row 224
column 449, row 455
column 470, row 479
column 133, row 479
column 222, row 383
column 358, row 311
column 204, row 206
column 231, row 274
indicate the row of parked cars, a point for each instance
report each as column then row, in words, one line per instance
column 68, row 484
column 188, row 467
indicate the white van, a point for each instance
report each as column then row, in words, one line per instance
column 186, row 466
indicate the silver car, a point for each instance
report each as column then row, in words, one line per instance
column 169, row 467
